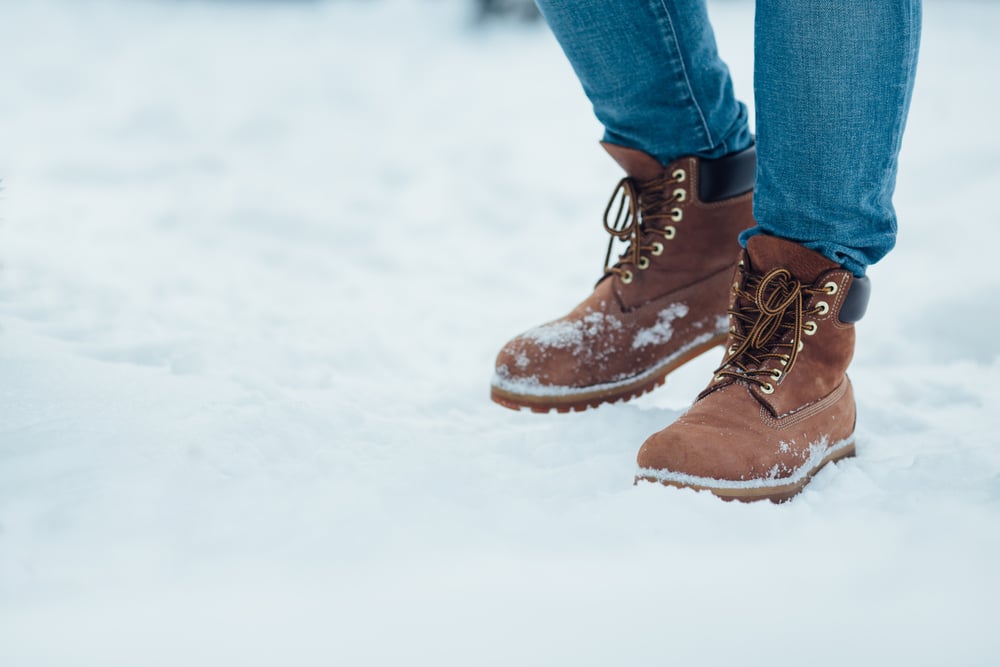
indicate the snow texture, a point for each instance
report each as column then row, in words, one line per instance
column 663, row 330
column 256, row 260
column 574, row 334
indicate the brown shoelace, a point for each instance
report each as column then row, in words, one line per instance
column 642, row 207
column 769, row 322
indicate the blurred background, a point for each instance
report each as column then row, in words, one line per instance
column 256, row 259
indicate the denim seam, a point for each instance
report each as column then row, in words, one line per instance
column 687, row 81
column 908, row 70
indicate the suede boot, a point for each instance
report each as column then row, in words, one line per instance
column 661, row 304
column 780, row 406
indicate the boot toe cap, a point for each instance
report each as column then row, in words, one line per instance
column 523, row 360
column 669, row 451
column 691, row 452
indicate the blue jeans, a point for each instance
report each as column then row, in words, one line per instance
column 832, row 86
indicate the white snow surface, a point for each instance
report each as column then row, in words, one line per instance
column 257, row 260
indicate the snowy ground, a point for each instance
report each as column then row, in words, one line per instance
column 256, row 262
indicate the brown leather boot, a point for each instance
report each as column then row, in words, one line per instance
column 780, row 406
column 663, row 303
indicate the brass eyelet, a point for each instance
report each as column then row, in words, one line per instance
column 679, row 175
column 830, row 287
column 822, row 308
column 657, row 248
column 670, row 232
column 810, row 328
column 767, row 388
column 676, row 214
column 680, row 194
column 643, row 263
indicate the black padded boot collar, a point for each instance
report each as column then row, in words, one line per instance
column 727, row 176
column 856, row 302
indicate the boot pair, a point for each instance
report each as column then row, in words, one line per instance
column 780, row 405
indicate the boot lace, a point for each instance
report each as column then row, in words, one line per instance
column 642, row 209
column 769, row 319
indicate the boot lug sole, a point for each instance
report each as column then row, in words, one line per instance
column 778, row 493
column 579, row 402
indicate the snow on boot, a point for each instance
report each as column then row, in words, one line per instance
column 780, row 406
column 660, row 305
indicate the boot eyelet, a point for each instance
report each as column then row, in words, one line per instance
column 776, row 374
column 810, row 328
column 822, row 308
column 643, row 263
column 800, row 346
column 784, row 360
column 741, row 264
column 719, row 378
column 767, row 388
column 680, row 194
column 626, row 277
column 657, row 248
column 679, row 175
column 676, row 214
column 830, row 288
column 670, row 232
column 736, row 287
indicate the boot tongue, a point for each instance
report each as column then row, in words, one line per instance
column 770, row 252
column 638, row 165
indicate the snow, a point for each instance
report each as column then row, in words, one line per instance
column 565, row 334
column 663, row 330
column 257, row 260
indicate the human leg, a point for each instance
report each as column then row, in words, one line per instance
column 832, row 99
column 653, row 74
column 832, row 83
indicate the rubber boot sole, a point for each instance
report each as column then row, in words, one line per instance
column 777, row 493
column 581, row 398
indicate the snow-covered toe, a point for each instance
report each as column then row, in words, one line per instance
column 602, row 353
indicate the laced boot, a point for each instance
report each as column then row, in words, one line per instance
column 661, row 304
column 780, row 406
